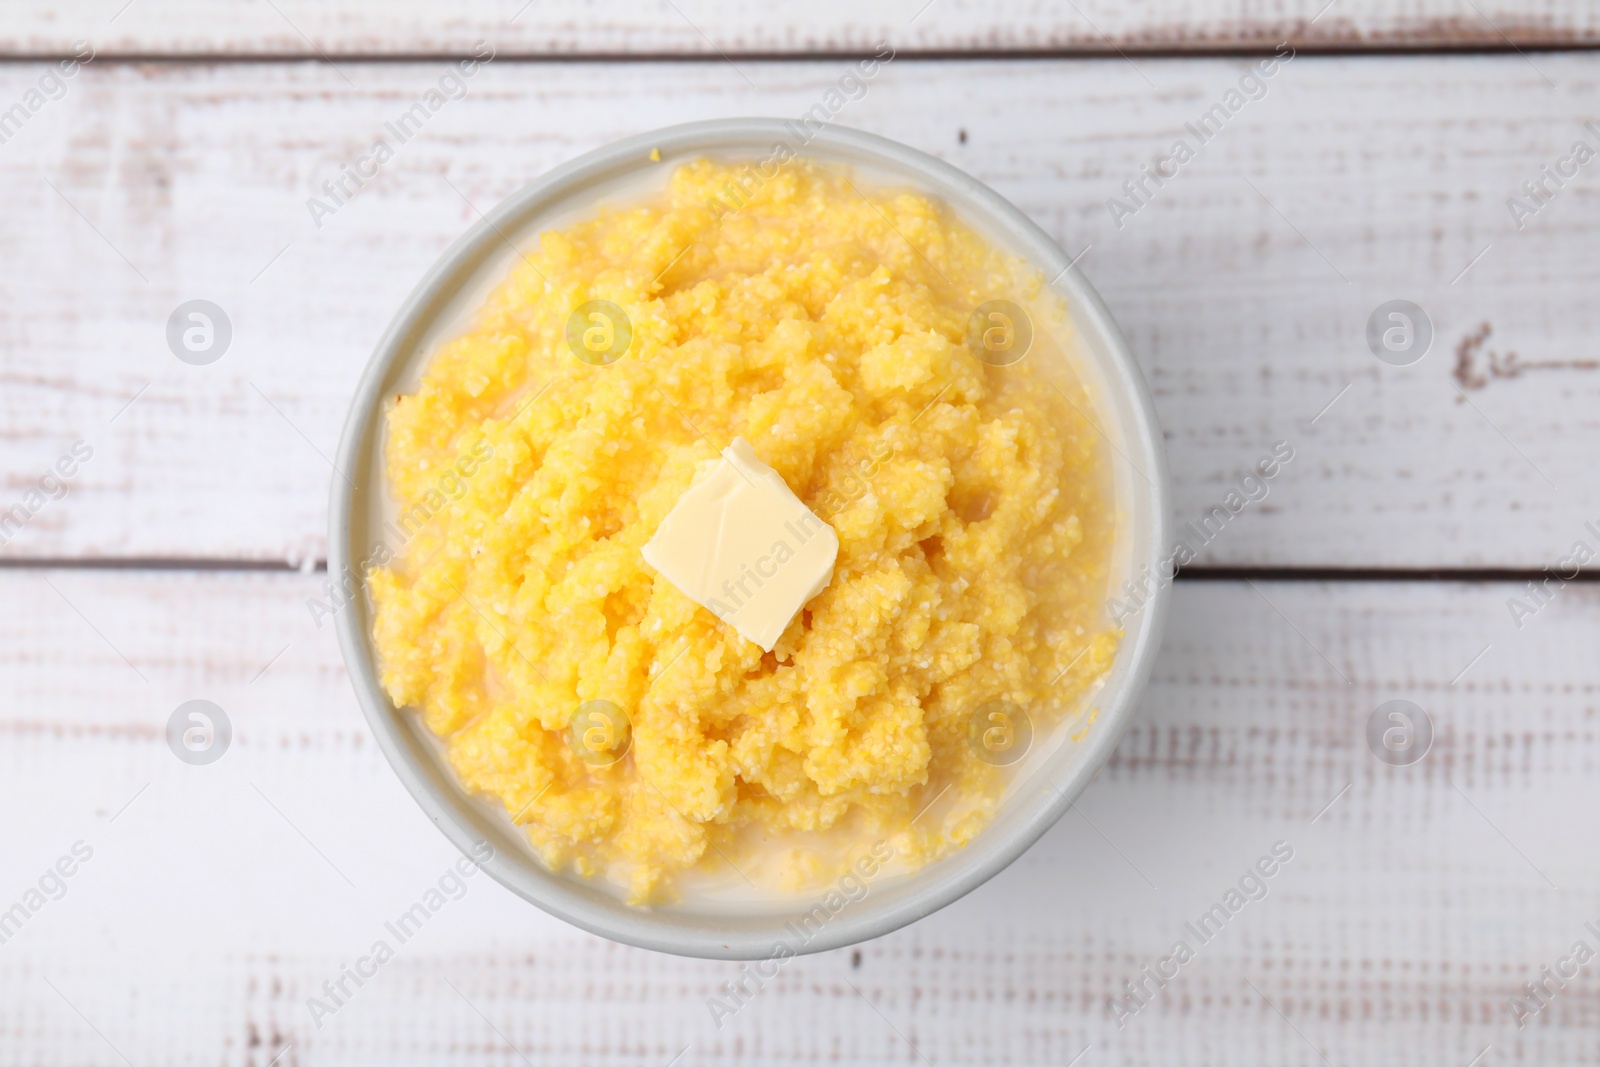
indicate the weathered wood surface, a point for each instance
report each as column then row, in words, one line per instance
column 1417, row 902
column 1244, row 285
column 1419, row 899
column 704, row 27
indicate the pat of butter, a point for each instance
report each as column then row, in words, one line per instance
column 741, row 544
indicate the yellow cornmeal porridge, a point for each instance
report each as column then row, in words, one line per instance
column 827, row 324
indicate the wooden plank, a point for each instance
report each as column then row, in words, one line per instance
column 705, row 27
column 1245, row 285
column 1416, row 902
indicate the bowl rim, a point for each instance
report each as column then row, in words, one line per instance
column 925, row 891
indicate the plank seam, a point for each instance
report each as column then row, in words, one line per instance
column 1350, row 49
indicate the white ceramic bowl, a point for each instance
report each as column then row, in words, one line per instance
column 1044, row 786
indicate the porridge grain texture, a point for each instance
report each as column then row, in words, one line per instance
column 826, row 322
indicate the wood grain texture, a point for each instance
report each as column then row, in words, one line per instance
column 1417, row 901
column 1244, row 285
column 706, row 27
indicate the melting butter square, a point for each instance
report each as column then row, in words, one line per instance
column 741, row 544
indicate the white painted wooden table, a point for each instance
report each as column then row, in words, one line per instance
column 1419, row 899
